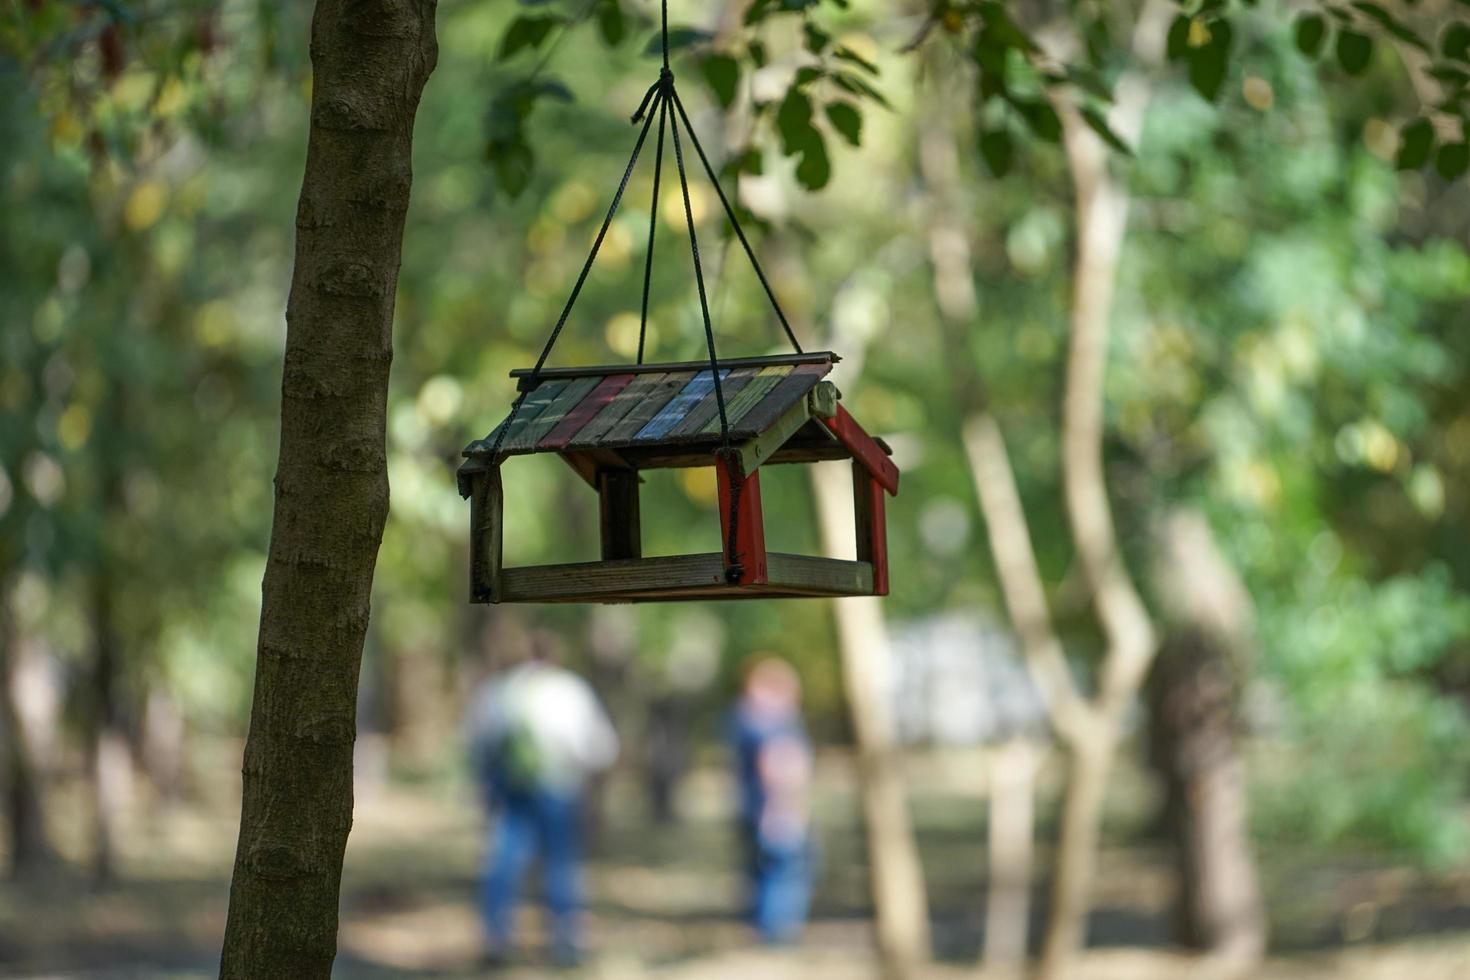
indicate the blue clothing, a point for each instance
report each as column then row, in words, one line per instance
column 781, row 892
column 779, row 871
column 534, row 822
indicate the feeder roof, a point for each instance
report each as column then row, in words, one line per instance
column 659, row 415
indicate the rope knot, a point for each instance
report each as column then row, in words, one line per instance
column 664, row 86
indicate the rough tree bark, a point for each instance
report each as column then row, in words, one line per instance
column 29, row 847
column 370, row 59
column 1193, row 695
column 898, row 876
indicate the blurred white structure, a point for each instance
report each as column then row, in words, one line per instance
column 958, row 680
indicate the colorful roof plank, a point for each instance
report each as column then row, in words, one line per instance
column 644, row 407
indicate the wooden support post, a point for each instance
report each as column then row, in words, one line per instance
column 868, row 508
column 750, row 532
column 617, row 492
column 487, row 520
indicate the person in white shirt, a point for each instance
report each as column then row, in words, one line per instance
column 537, row 733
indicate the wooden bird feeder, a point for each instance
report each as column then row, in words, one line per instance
column 611, row 423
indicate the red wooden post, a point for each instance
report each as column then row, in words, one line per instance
column 871, row 517
column 750, row 532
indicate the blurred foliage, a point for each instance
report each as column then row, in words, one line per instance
column 1286, row 347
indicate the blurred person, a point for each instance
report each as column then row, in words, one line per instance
column 773, row 760
column 537, row 733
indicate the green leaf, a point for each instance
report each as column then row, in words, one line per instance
column 1099, row 125
column 815, row 169
column 858, row 86
column 1354, row 51
column 1453, row 160
column 528, row 32
column 794, row 122
column 1210, row 62
column 1178, row 42
column 807, row 74
column 1089, row 80
column 847, row 120
column 1392, row 24
column 750, row 162
column 722, row 75
column 847, row 54
column 816, row 39
column 1000, row 28
column 1041, row 118
column 512, row 164
column 1311, row 34
column 1455, row 78
column 1455, row 42
column 997, row 149
column 610, row 22
column 1416, row 142
column 679, row 37
column 757, row 53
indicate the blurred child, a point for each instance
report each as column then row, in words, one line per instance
column 537, row 732
column 773, row 759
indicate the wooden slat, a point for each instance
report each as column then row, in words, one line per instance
column 585, row 411
column 655, row 398
column 486, row 523
column 700, row 414
column 587, row 580
column 567, row 399
column 756, row 450
column 810, row 357
column 536, row 403
column 622, row 403
column 673, row 413
column 749, row 397
column 863, row 448
column 819, row 576
column 682, row 577
column 791, row 389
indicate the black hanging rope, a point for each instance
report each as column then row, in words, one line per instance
column 561, row 321
column 660, row 95
column 658, row 167
column 733, row 569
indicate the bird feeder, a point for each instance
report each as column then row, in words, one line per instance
column 611, row 423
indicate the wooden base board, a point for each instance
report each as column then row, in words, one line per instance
column 682, row 578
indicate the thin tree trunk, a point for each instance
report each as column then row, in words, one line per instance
column 1076, row 860
column 30, row 849
column 1102, row 221
column 893, row 855
column 107, row 753
column 371, row 59
column 1194, row 700
column 1012, row 783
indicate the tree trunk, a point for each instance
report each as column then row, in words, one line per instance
column 371, row 59
column 1076, row 860
column 1013, row 766
column 893, row 855
column 107, row 752
column 1194, row 701
column 29, row 847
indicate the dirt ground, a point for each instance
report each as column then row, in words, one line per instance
column 663, row 900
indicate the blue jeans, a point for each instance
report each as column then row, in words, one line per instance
column 782, row 891
column 531, row 823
